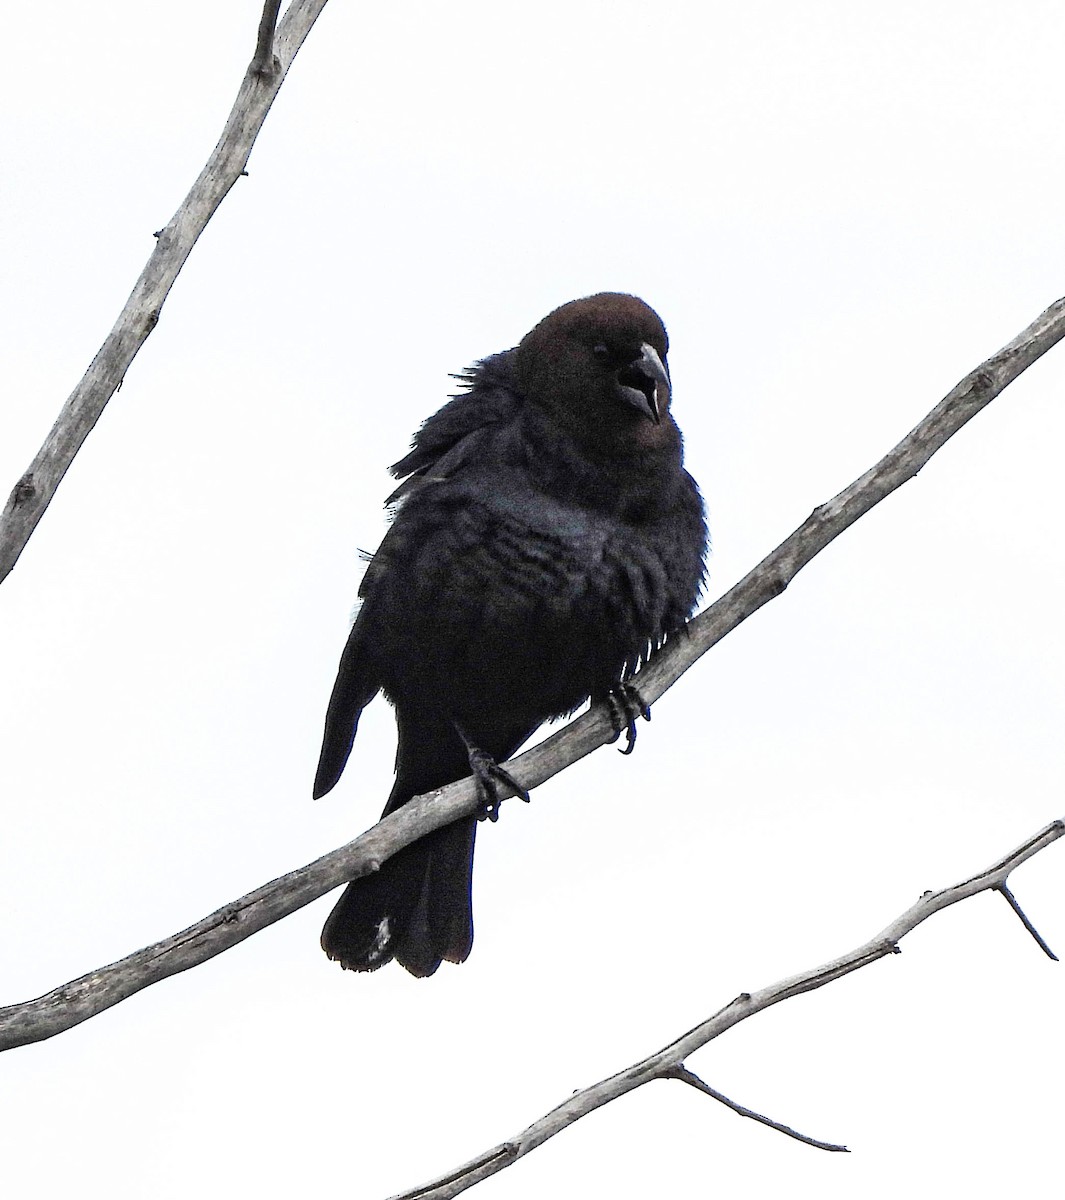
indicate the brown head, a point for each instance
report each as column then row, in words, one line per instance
column 599, row 364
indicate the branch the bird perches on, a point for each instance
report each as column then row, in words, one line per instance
column 82, row 998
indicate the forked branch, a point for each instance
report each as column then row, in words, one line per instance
column 682, row 1073
column 264, row 61
column 668, row 1063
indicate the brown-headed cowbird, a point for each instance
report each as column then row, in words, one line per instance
column 547, row 538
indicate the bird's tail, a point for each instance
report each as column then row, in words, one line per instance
column 417, row 908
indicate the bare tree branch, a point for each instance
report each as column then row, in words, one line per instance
column 33, row 493
column 668, row 1062
column 777, row 570
column 74, row 1002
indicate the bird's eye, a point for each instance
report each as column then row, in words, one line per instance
column 601, row 351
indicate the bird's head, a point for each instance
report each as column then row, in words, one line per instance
column 599, row 363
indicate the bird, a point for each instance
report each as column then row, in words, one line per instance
column 545, row 540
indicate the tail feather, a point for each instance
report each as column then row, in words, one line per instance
column 416, row 909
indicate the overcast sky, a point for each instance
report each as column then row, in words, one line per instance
column 839, row 210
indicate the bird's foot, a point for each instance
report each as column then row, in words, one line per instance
column 626, row 704
column 490, row 776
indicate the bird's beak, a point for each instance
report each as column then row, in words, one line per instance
column 640, row 380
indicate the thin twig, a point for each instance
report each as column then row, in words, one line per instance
column 682, row 1073
column 82, row 998
column 263, row 61
column 1012, row 901
column 33, row 493
column 668, row 1061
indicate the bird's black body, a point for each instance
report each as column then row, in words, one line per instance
column 547, row 537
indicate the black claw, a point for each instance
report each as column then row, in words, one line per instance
column 626, row 704
column 489, row 775
column 511, row 782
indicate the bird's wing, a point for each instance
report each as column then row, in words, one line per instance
column 356, row 685
column 446, row 442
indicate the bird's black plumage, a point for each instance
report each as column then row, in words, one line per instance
column 547, row 535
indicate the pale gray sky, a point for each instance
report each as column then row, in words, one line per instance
column 839, row 210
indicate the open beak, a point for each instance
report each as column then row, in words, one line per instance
column 640, row 380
